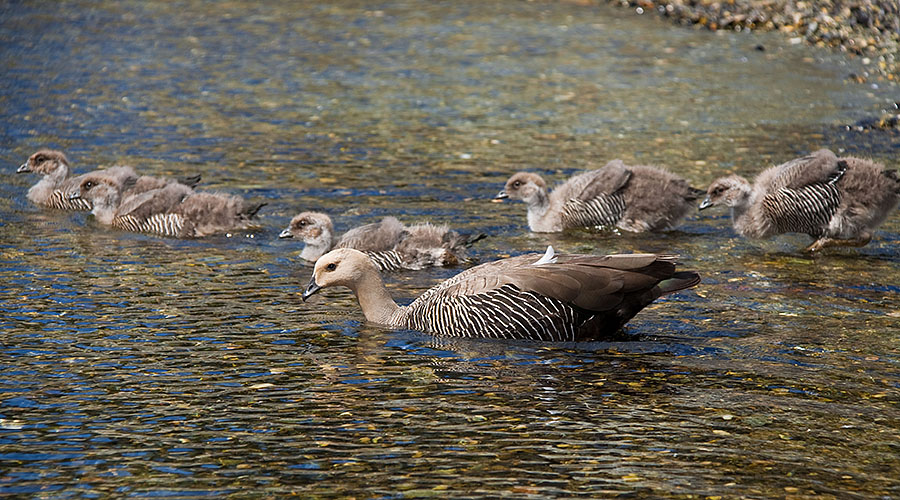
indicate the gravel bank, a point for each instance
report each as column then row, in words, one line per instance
column 869, row 29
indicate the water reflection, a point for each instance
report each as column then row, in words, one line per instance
column 139, row 366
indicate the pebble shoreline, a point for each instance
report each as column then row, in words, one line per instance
column 869, row 29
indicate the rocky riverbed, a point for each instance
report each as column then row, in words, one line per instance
column 869, row 29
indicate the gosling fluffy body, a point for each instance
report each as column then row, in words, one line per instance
column 632, row 198
column 389, row 243
column 54, row 187
column 174, row 210
column 837, row 201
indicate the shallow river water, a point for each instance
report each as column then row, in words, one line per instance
column 136, row 366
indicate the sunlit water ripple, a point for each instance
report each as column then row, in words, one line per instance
column 146, row 367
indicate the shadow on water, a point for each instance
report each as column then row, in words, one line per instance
column 145, row 367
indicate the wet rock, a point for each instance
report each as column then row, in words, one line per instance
column 889, row 120
column 867, row 28
column 885, row 122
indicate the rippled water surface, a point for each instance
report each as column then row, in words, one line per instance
column 135, row 366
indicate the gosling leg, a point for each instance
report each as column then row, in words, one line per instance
column 825, row 242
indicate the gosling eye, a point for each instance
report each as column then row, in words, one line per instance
column 87, row 185
column 40, row 159
column 302, row 223
column 517, row 184
column 331, row 267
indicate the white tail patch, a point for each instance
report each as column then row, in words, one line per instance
column 549, row 257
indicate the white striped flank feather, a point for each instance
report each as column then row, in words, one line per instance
column 160, row 224
column 387, row 261
column 503, row 313
column 127, row 223
column 805, row 210
column 60, row 201
column 164, row 224
column 600, row 211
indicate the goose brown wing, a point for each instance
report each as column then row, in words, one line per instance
column 156, row 201
column 375, row 237
column 149, row 211
column 202, row 214
column 595, row 283
column 146, row 183
column 803, row 195
column 481, row 278
column 604, row 181
column 818, row 167
column 124, row 175
column 596, row 197
column 586, row 281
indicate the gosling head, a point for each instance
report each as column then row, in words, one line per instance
column 100, row 190
column 45, row 162
column 731, row 191
column 311, row 227
column 523, row 186
column 342, row 267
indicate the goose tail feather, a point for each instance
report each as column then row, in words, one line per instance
column 679, row 281
column 251, row 210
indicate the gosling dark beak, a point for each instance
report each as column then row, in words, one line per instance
column 23, row 168
column 501, row 196
column 311, row 289
column 706, row 203
column 286, row 234
column 74, row 195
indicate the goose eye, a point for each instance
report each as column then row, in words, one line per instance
column 331, row 267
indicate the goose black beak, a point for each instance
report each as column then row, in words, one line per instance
column 501, row 196
column 706, row 203
column 74, row 195
column 311, row 289
column 286, row 234
column 23, row 168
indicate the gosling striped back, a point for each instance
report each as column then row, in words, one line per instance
column 601, row 210
column 806, row 210
column 504, row 313
column 386, row 261
column 60, row 201
column 161, row 224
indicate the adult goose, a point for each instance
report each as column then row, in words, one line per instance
column 554, row 297
column 389, row 243
column 837, row 201
column 632, row 198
